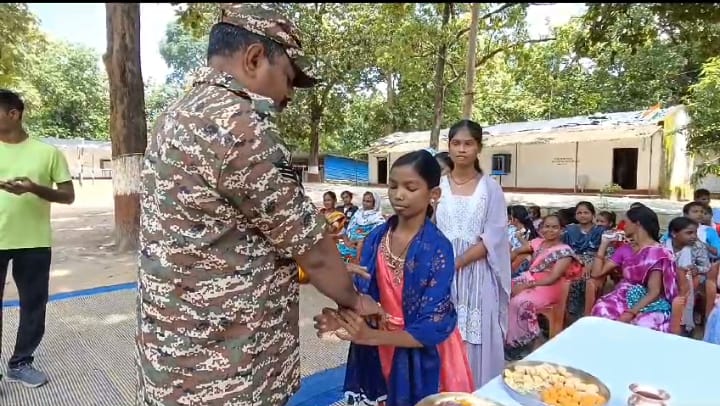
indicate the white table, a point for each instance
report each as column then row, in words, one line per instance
column 620, row 354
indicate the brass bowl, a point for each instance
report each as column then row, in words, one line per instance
column 434, row 400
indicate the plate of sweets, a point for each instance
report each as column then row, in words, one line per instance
column 536, row 383
column 456, row 399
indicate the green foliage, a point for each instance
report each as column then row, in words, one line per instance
column 691, row 29
column 182, row 52
column 157, row 99
column 377, row 61
column 549, row 80
column 63, row 85
column 67, row 92
column 704, row 107
column 689, row 34
column 19, row 37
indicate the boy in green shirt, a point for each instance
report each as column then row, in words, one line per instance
column 28, row 171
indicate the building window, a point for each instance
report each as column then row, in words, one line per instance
column 105, row 164
column 501, row 164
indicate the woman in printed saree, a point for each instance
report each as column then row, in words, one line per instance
column 360, row 225
column 416, row 350
column 472, row 214
column 584, row 238
column 649, row 279
column 541, row 286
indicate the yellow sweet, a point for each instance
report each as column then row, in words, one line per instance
column 560, row 395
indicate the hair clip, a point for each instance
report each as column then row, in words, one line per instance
column 431, row 151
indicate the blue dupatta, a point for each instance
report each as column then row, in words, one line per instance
column 429, row 314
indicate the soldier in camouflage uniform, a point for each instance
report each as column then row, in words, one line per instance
column 224, row 220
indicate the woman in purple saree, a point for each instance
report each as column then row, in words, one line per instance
column 649, row 281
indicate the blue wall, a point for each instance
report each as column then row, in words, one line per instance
column 345, row 169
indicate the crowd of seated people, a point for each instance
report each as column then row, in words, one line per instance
column 577, row 262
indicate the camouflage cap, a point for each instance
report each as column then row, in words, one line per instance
column 261, row 19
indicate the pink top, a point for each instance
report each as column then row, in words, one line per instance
column 455, row 373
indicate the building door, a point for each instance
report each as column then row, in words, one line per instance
column 625, row 166
column 382, row 167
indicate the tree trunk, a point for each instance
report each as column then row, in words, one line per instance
column 390, row 102
column 472, row 47
column 439, row 82
column 314, row 157
column 128, row 131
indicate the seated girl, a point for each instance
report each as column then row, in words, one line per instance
column 360, row 225
column 520, row 231
column 417, row 349
column 691, row 259
column 649, row 281
column 552, row 263
column 584, row 238
column 607, row 220
column 347, row 207
column 535, row 216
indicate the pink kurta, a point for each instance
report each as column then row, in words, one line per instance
column 455, row 373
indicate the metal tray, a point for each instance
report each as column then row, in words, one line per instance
column 449, row 396
column 533, row 398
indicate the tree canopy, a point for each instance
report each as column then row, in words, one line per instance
column 401, row 67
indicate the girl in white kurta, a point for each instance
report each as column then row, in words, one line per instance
column 468, row 217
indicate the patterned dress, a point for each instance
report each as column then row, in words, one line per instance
column 515, row 243
column 585, row 245
column 636, row 268
column 481, row 291
column 523, row 327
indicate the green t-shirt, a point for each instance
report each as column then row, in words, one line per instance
column 25, row 219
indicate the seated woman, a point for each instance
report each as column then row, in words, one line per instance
column 539, row 287
column 347, row 208
column 649, row 279
column 335, row 220
column 361, row 224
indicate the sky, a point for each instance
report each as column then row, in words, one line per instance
column 84, row 23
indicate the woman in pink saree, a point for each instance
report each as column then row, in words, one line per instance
column 552, row 262
column 649, row 280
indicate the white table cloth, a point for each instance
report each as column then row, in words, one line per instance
column 620, row 354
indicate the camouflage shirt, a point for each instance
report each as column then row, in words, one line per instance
column 223, row 213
